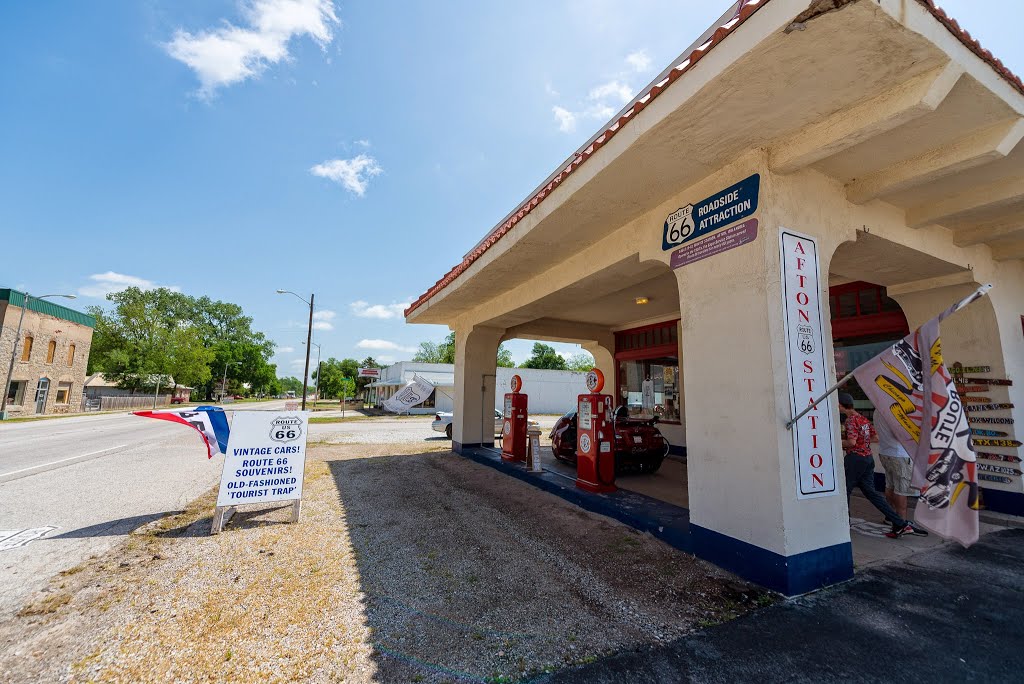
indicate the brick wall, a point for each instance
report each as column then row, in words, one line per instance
column 44, row 329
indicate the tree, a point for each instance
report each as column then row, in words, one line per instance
column 289, row 384
column 505, row 357
column 544, row 356
column 580, row 362
column 158, row 332
column 444, row 352
column 144, row 339
column 336, row 378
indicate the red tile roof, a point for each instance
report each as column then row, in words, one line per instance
column 744, row 11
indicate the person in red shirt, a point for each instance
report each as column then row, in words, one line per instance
column 859, row 464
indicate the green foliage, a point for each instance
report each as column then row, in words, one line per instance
column 505, row 357
column 336, row 378
column 290, row 384
column 444, row 352
column 544, row 356
column 159, row 332
column 580, row 362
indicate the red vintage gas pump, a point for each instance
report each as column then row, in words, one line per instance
column 595, row 439
column 514, row 420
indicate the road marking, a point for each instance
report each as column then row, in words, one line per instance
column 71, row 458
column 13, row 539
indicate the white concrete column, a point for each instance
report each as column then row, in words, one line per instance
column 603, row 351
column 744, row 511
column 476, row 352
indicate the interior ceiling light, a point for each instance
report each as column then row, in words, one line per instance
column 642, row 300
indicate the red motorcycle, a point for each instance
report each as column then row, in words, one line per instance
column 639, row 445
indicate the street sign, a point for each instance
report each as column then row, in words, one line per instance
column 265, row 462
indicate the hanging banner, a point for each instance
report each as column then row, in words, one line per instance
column 813, row 446
column 914, row 393
column 416, row 392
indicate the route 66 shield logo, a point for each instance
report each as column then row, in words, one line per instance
column 679, row 226
column 805, row 340
column 285, row 429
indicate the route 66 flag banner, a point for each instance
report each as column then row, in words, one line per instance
column 416, row 392
column 209, row 421
column 914, row 393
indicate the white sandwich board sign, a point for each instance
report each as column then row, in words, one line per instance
column 265, row 462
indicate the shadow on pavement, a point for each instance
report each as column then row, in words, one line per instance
column 468, row 575
column 113, row 528
column 950, row 614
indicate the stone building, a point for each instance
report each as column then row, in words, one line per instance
column 51, row 355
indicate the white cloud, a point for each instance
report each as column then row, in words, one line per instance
column 384, row 345
column 352, row 174
column 550, row 89
column 617, row 89
column 110, row 282
column 566, row 119
column 363, row 143
column 231, row 54
column 285, row 350
column 322, row 319
column 297, row 363
column 639, row 60
column 382, row 311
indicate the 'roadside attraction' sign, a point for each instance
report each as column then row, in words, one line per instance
column 265, row 461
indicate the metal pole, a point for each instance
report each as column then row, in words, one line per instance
column 224, row 382
column 14, row 351
column 309, row 345
column 845, row 379
column 156, row 394
column 319, row 375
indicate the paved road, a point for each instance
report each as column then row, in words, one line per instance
column 94, row 479
column 82, row 483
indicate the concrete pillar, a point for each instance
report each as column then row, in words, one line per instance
column 476, row 352
column 744, row 510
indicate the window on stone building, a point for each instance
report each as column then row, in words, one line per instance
column 71, row 356
column 26, row 349
column 17, row 392
column 51, row 349
column 63, row 392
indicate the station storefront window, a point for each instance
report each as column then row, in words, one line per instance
column 648, row 371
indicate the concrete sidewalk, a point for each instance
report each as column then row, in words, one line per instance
column 945, row 615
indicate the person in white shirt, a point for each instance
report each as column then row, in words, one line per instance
column 898, row 472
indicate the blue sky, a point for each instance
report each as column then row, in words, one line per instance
column 354, row 150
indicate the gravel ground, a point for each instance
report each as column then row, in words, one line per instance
column 419, row 567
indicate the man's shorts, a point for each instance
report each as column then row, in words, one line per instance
column 898, row 472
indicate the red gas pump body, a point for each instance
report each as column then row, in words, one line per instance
column 595, row 444
column 514, row 423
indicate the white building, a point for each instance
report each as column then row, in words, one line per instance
column 550, row 391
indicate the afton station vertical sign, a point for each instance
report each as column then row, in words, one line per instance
column 813, row 444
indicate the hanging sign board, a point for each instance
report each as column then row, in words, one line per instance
column 694, row 221
column 813, row 445
column 265, row 461
column 369, row 372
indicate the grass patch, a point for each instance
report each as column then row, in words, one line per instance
column 46, row 606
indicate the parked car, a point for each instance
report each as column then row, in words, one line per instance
column 177, row 400
column 443, row 423
column 639, row 445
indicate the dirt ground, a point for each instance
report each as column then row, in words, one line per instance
column 419, row 567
